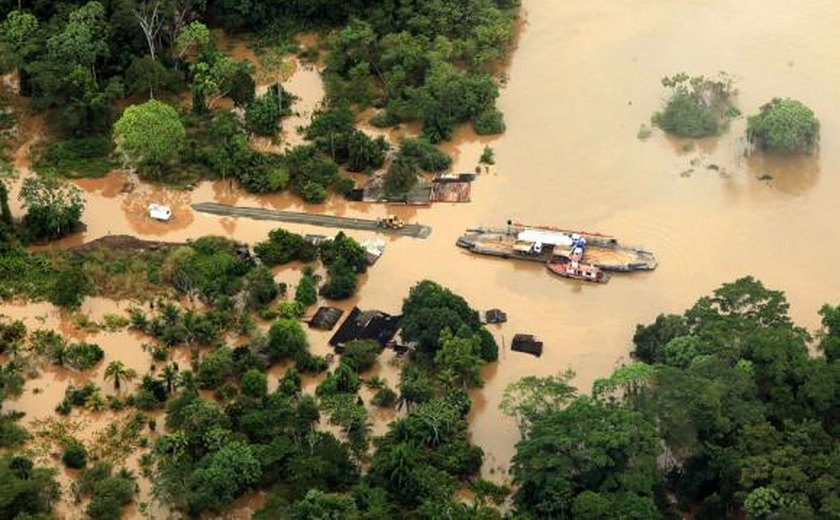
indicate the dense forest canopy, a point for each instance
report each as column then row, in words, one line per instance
column 724, row 415
column 85, row 63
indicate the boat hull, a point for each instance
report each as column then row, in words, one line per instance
column 596, row 275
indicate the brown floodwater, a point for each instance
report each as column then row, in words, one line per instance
column 582, row 80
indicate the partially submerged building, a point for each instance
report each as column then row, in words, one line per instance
column 527, row 343
column 373, row 324
column 325, row 318
column 441, row 188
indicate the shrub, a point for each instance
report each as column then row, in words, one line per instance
column 291, row 310
column 109, row 496
column 401, row 176
column 75, row 455
column 364, row 153
column 70, row 288
column 261, row 287
column 215, row 367
column 82, row 355
column 342, row 246
column 313, row 193
column 489, row 122
column 384, row 398
column 286, row 339
column 429, row 158
column 698, row 106
column 341, row 280
column 307, row 363
column 281, row 247
column 53, row 209
column 242, row 87
column 254, row 384
column 263, row 114
column 345, row 186
column 361, row 354
column 305, row 292
column 487, row 156
column 84, row 157
column 784, row 126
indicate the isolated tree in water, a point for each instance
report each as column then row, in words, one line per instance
column 784, row 126
column 149, row 136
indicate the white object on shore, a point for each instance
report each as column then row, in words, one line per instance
column 160, row 212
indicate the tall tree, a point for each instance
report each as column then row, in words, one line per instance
column 117, row 372
column 589, row 446
column 149, row 136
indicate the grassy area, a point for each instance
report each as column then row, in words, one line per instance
column 77, row 158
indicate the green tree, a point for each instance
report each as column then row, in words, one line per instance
column 263, row 114
column 109, row 496
column 26, row 489
column 588, row 446
column 830, row 337
column 401, row 176
column 117, row 372
column 254, row 384
column 19, row 37
column 150, row 136
column 286, row 339
column 215, row 367
column 698, row 106
column 431, row 308
column 531, row 398
column 53, row 209
column 325, row 506
column 75, row 455
column 192, row 38
column 70, row 288
column 5, row 213
column 784, row 126
column 68, row 74
column 261, row 287
column 457, row 360
column 361, row 354
column 282, row 247
column 228, row 472
column 306, row 293
column 341, row 280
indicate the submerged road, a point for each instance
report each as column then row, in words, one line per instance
column 294, row 217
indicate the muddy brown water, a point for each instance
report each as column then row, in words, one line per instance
column 583, row 78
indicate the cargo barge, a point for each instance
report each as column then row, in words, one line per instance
column 546, row 244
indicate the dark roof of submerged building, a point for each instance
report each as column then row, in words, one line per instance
column 373, row 324
column 527, row 343
column 325, row 318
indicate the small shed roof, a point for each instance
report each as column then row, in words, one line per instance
column 325, row 318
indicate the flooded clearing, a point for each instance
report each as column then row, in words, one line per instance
column 582, row 80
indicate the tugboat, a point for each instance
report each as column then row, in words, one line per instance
column 573, row 267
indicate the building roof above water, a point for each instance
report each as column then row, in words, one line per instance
column 373, row 324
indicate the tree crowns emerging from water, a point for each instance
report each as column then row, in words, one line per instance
column 698, row 106
column 784, row 126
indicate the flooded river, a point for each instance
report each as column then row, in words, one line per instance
column 582, row 80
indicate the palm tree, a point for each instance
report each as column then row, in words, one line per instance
column 169, row 375
column 119, row 373
column 187, row 381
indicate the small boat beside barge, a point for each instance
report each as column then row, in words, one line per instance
column 546, row 244
column 570, row 268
